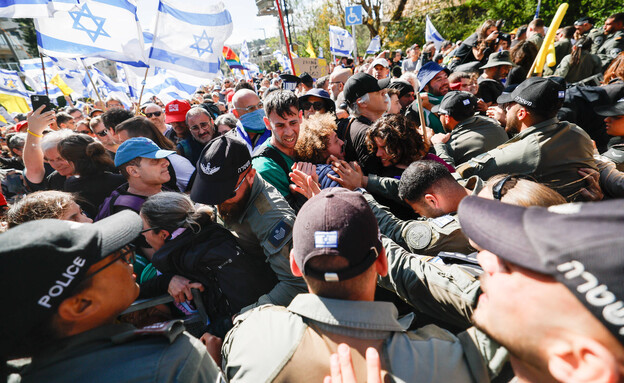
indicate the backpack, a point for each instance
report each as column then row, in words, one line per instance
column 130, row 201
column 294, row 199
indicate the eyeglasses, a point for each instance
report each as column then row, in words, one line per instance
column 317, row 105
column 252, row 107
column 103, row 133
column 498, row 190
column 206, row 125
column 126, row 254
column 150, row 229
column 83, row 131
column 152, row 114
column 336, row 82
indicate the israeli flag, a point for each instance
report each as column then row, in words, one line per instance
column 102, row 28
column 24, row 8
column 166, row 84
column 374, row 46
column 282, row 60
column 340, row 41
column 33, row 75
column 10, row 83
column 432, row 35
column 244, row 53
column 189, row 36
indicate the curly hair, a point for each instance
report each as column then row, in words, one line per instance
column 314, row 138
column 403, row 141
column 39, row 205
column 615, row 69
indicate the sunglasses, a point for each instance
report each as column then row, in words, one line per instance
column 126, row 254
column 152, row 114
column 317, row 105
column 103, row 133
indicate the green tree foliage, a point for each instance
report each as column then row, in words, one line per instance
column 27, row 26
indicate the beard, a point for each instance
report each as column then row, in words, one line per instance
column 231, row 212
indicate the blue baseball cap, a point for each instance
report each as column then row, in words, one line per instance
column 139, row 147
column 428, row 72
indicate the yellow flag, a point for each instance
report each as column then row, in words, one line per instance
column 58, row 81
column 551, row 58
column 14, row 104
column 310, row 49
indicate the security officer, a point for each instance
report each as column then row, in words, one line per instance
column 614, row 120
column 252, row 209
column 470, row 134
column 550, row 150
column 337, row 249
column 611, row 43
column 74, row 280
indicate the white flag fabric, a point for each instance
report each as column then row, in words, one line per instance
column 282, row 60
column 10, row 83
column 189, row 36
column 166, row 84
column 374, row 46
column 31, row 68
column 340, row 41
column 100, row 28
column 244, row 53
column 34, row 8
column 432, row 35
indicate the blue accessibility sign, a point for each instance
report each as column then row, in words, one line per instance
column 353, row 15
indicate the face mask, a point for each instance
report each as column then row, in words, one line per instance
column 253, row 122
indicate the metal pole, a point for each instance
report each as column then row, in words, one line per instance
column 45, row 82
column 355, row 56
column 91, row 80
column 142, row 88
column 292, row 63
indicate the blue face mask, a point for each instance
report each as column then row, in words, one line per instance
column 253, row 122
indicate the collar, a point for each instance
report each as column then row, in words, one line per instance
column 467, row 121
column 364, row 120
column 375, row 316
column 544, row 126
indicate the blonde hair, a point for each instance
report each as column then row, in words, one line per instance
column 314, row 138
column 39, row 205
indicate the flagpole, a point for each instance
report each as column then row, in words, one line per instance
column 45, row 82
column 292, row 63
column 91, row 80
column 142, row 87
column 421, row 115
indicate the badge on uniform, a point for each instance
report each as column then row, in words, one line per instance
column 279, row 233
column 418, row 235
column 442, row 221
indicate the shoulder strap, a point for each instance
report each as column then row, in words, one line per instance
column 272, row 153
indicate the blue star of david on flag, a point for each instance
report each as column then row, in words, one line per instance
column 199, row 39
column 340, row 43
column 91, row 21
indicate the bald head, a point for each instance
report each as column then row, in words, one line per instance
column 242, row 99
column 337, row 80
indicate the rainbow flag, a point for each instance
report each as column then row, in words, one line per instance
column 231, row 58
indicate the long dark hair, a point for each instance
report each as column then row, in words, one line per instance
column 88, row 155
column 140, row 126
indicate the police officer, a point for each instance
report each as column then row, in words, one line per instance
column 64, row 284
column 550, row 150
column 252, row 209
column 337, row 249
column 611, row 43
column 470, row 134
column 614, row 120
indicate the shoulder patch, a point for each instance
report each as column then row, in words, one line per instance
column 279, row 233
column 418, row 235
column 261, row 203
column 442, row 221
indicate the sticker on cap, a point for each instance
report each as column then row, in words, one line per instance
column 325, row 239
column 174, row 108
column 466, row 101
column 561, row 94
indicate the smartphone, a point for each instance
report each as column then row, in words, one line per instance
column 38, row 100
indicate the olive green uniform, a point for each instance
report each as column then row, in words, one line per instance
column 588, row 65
column 551, row 151
column 612, row 46
column 469, row 138
column 615, row 153
column 264, row 231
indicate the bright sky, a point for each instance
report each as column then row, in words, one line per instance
column 247, row 26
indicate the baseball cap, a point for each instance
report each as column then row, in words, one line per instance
column 428, row 72
column 380, row 61
column 139, row 147
column 579, row 244
column 42, row 262
column 220, row 164
column 362, row 83
column 459, row 105
column 616, row 109
column 175, row 111
column 305, row 78
column 583, row 20
column 538, row 93
column 336, row 222
column 498, row 59
column 402, row 86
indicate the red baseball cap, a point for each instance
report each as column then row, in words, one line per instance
column 21, row 126
column 175, row 111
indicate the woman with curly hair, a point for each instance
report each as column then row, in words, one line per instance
column 43, row 205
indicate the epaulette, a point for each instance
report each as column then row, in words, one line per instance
column 170, row 330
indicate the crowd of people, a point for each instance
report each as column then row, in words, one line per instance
column 435, row 217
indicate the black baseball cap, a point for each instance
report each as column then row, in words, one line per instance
column 457, row 104
column 579, row 244
column 402, row 86
column 43, row 261
column 336, row 222
column 220, row 164
column 305, row 78
column 614, row 110
column 362, row 83
column 538, row 93
column 583, row 20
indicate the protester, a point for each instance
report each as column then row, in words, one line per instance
column 175, row 115
column 224, row 123
column 45, row 205
column 156, row 115
column 316, row 101
column 202, row 128
column 105, row 135
column 433, row 80
column 250, row 128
